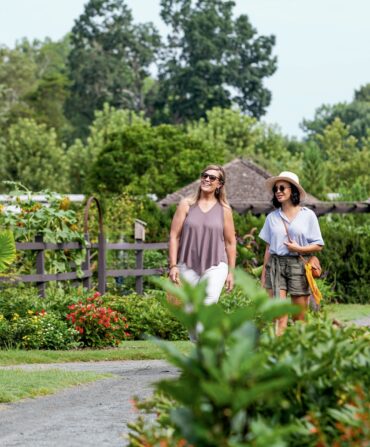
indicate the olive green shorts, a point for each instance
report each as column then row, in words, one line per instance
column 292, row 277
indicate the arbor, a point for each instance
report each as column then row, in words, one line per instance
column 211, row 59
column 109, row 61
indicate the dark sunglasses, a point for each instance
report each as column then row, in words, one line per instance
column 212, row 178
column 281, row 188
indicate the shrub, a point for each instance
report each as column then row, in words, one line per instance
column 97, row 325
column 346, row 257
column 45, row 331
column 147, row 316
column 251, row 388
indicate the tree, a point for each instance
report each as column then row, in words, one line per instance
column 109, row 61
column 313, row 170
column 150, row 160
column 34, row 157
column 211, row 60
column 47, row 98
column 355, row 115
column 82, row 155
column 345, row 162
column 34, row 83
column 228, row 131
column 17, row 79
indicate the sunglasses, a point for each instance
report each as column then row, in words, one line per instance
column 212, row 178
column 281, row 188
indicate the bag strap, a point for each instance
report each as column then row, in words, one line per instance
column 290, row 240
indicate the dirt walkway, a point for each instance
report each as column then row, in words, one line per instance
column 94, row 414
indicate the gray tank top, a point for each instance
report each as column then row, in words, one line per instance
column 202, row 243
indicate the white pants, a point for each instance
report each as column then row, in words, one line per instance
column 215, row 276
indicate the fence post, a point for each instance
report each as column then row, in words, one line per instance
column 102, row 268
column 102, row 263
column 87, row 264
column 139, row 237
column 40, row 266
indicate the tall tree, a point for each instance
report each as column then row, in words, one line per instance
column 355, row 115
column 34, row 157
column 34, row 83
column 109, row 61
column 211, row 60
column 313, row 170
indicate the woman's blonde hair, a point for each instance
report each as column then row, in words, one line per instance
column 220, row 193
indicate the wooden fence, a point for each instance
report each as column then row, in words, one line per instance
column 41, row 278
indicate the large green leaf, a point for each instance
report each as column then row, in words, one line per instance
column 7, row 249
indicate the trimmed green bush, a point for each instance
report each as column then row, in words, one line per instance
column 346, row 257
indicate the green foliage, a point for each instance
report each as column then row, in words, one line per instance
column 136, row 157
column 147, row 316
column 355, row 115
column 34, row 156
column 108, row 63
column 211, row 59
column 43, row 331
column 228, row 131
column 7, row 249
column 314, row 173
column 17, row 78
column 34, row 83
column 252, row 388
column 83, row 155
column 55, row 222
column 346, row 257
column 345, row 162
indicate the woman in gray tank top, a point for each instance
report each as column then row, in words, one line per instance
column 202, row 237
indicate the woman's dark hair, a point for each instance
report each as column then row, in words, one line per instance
column 295, row 197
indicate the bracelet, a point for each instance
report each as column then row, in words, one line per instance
column 172, row 266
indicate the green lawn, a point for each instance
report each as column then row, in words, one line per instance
column 129, row 350
column 16, row 384
column 348, row 312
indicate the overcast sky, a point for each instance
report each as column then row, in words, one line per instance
column 322, row 45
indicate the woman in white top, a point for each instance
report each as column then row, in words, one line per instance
column 291, row 231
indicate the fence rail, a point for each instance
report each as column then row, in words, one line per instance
column 41, row 277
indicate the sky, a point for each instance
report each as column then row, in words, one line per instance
column 321, row 45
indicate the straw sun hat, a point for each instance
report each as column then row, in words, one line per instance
column 288, row 177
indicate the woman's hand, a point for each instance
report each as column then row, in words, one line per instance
column 229, row 283
column 293, row 246
column 175, row 275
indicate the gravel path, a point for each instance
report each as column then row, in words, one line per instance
column 93, row 414
column 362, row 321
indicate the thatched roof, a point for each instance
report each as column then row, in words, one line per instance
column 245, row 184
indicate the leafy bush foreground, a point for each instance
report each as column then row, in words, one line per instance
column 242, row 386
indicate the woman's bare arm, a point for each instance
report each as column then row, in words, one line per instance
column 175, row 233
column 230, row 246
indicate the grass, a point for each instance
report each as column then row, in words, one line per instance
column 128, row 350
column 347, row 312
column 17, row 384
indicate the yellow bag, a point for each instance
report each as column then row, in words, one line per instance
column 312, row 283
